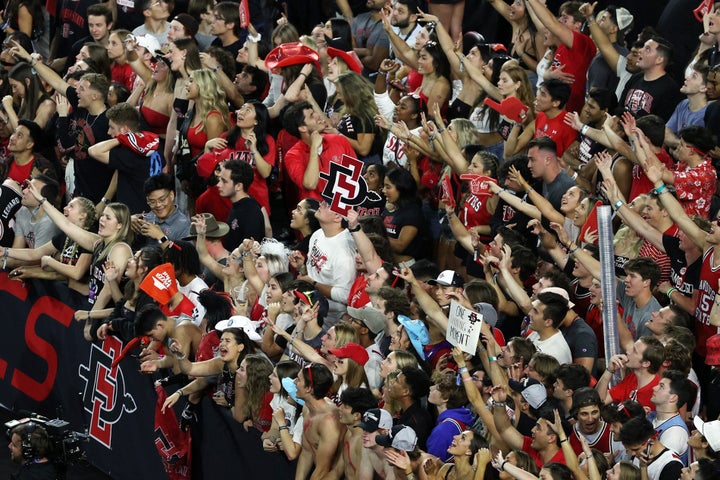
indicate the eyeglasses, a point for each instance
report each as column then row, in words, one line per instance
column 158, row 201
column 216, row 18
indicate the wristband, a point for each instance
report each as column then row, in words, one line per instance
column 462, row 370
column 618, row 204
column 573, row 250
column 660, row 189
column 502, row 466
column 284, row 427
column 498, row 404
column 104, row 200
column 584, row 129
column 530, row 189
column 492, row 359
column 41, row 201
column 356, row 228
column 670, row 291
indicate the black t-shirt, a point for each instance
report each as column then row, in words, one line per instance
column 70, row 251
column 9, row 205
column 36, row 471
column 656, row 97
column 133, row 169
column 77, row 132
column 684, row 277
column 245, row 221
column 419, row 419
column 408, row 215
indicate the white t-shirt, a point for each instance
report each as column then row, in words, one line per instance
column 191, row 290
column 331, row 261
column 555, row 346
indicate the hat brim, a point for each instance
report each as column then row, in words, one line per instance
column 351, row 62
column 221, row 231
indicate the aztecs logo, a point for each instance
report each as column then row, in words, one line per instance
column 346, row 187
column 104, row 395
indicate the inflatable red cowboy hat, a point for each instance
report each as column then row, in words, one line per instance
column 350, row 58
column 510, row 107
column 293, row 53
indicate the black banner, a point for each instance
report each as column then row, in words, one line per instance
column 47, row 367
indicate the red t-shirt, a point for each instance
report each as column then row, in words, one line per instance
column 558, row 457
column 123, row 74
column 641, row 184
column 297, row 158
column 258, row 188
column 627, row 389
column 555, row 128
column 576, row 60
column 210, row 201
column 20, row 173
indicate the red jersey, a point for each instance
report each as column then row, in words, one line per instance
column 20, row 173
column 649, row 250
column 707, row 290
column 601, row 440
column 475, row 213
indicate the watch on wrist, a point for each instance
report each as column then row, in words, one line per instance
column 163, row 239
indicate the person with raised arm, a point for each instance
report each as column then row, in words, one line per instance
column 706, row 306
column 108, row 244
column 80, row 128
column 543, row 446
column 684, row 255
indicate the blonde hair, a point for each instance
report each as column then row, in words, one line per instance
column 125, row 234
column 211, row 96
column 466, row 132
column 344, row 334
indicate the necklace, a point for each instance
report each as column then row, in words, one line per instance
column 87, row 119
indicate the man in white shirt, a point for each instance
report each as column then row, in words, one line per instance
column 547, row 312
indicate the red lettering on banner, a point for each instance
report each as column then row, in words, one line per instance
column 62, row 314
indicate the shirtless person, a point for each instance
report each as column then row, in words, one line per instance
column 355, row 402
column 373, row 464
column 151, row 321
column 322, row 429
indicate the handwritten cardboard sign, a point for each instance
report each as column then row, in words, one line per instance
column 463, row 327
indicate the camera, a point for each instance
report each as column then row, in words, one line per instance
column 65, row 444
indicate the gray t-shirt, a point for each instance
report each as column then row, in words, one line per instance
column 554, row 190
column 36, row 232
column 636, row 318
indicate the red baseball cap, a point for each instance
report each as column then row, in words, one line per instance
column 353, row 351
column 713, row 351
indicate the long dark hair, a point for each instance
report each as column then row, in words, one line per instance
column 262, row 117
column 405, row 185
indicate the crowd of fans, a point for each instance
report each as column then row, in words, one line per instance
column 150, row 150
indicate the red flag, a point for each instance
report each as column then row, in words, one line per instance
column 244, row 14
column 172, row 443
column 704, row 8
column 590, row 224
column 447, row 196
